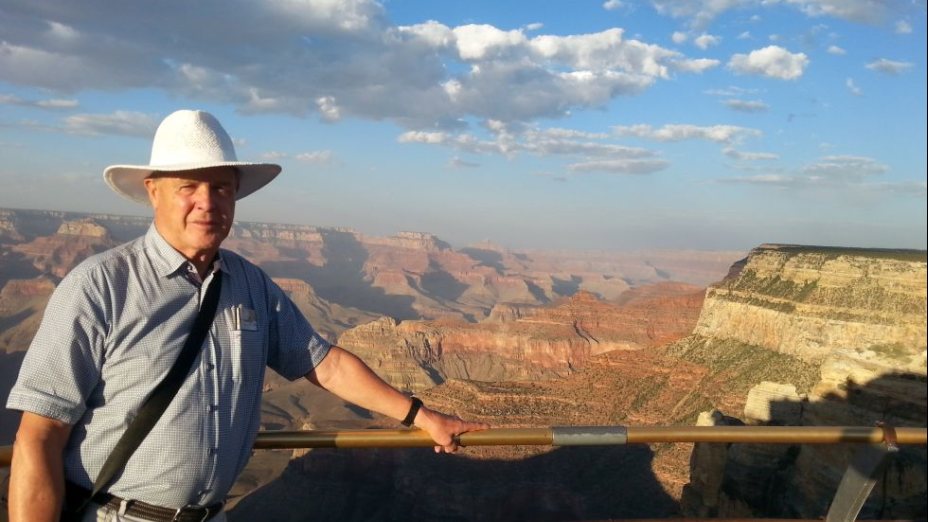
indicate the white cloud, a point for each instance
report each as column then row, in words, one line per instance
column 731, row 91
column 536, row 26
column 52, row 103
column 832, row 172
column 863, row 11
column 745, row 35
column 913, row 188
column 696, row 66
column 318, row 157
column 903, row 27
column 329, row 58
column 457, row 163
column 773, row 180
column 680, row 132
column 749, row 156
column 587, row 150
column 844, row 167
column 853, row 88
column 273, row 155
column 328, row 108
column 888, row 66
column 772, row 61
column 678, row 37
column 620, row 166
column 834, row 49
column 701, row 13
column 605, row 50
column 479, row 42
column 57, row 103
column 120, row 123
column 704, row 41
column 747, row 105
column 424, row 137
column 612, row 5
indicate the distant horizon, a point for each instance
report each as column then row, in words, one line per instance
column 583, row 126
column 455, row 246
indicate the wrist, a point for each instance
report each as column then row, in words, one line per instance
column 415, row 406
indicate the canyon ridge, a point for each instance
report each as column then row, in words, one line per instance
column 786, row 334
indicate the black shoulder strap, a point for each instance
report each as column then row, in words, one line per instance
column 156, row 403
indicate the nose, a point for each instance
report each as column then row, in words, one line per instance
column 205, row 199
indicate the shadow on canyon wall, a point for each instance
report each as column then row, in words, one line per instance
column 800, row 481
column 488, row 258
column 573, row 483
column 342, row 280
column 9, row 419
column 441, row 284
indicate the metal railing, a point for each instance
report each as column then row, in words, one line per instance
column 878, row 443
column 583, row 436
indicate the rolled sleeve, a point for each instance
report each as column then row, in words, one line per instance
column 62, row 367
column 295, row 348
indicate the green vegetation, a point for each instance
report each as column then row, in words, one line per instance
column 834, row 252
column 893, row 350
column 778, row 306
column 745, row 365
column 773, row 286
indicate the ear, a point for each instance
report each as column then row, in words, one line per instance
column 151, row 186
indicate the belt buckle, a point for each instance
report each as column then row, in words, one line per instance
column 204, row 509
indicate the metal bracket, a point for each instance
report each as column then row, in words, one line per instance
column 861, row 475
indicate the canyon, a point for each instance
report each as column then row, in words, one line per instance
column 785, row 335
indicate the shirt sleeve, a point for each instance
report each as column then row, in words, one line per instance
column 295, row 348
column 62, row 365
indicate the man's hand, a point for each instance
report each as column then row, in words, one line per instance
column 343, row 374
column 444, row 429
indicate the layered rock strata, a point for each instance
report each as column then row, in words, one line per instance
column 852, row 325
column 520, row 343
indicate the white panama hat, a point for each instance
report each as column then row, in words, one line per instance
column 188, row 140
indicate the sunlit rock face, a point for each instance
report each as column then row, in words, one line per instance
column 523, row 342
column 73, row 242
column 851, row 324
column 807, row 302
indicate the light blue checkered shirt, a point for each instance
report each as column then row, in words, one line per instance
column 111, row 332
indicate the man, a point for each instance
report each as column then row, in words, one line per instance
column 117, row 322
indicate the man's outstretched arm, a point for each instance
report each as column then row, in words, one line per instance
column 37, row 471
column 345, row 375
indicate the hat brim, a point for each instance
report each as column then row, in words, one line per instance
column 128, row 180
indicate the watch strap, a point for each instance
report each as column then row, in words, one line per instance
column 413, row 410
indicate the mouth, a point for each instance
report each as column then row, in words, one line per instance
column 210, row 224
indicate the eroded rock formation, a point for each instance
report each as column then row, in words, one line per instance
column 850, row 325
column 521, row 343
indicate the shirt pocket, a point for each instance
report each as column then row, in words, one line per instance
column 248, row 361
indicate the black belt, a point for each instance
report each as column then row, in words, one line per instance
column 137, row 508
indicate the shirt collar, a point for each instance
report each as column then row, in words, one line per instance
column 168, row 260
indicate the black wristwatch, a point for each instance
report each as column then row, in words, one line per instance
column 413, row 410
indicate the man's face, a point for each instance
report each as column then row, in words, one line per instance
column 194, row 209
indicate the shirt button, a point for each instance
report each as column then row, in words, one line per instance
column 213, row 407
column 213, row 451
column 210, row 366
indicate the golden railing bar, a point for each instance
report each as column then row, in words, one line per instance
column 773, row 434
column 577, row 435
column 397, row 438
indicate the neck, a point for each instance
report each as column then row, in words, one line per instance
column 202, row 261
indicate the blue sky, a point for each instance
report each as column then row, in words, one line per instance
column 617, row 125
